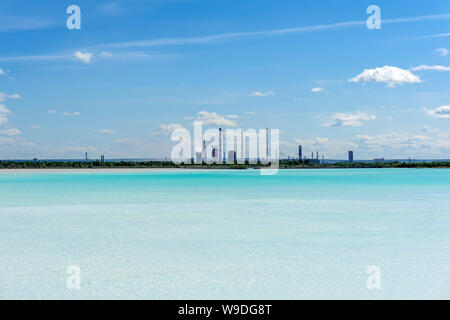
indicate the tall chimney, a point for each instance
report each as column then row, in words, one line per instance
column 220, row 146
column 242, row 145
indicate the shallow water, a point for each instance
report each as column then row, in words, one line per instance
column 226, row 234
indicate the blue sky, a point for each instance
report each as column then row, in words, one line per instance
column 137, row 69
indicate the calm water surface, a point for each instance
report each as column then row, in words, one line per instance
column 226, row 234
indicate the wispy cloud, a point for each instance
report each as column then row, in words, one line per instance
column 393, row 140
column 262, row 94
column 432, row 68
column 317, row 89
column 126, row 142
column 4, row 112
column 86, row 57
column 441, row 51
column 10, row 132
column 14, row 96
column 4, row 96
column 33, row 58
column 14, row 23
column 168, row 128
column 431, row 36
column 76, row 113
column 264, row 33
column 106, row 131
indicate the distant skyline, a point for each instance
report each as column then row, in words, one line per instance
column 137, row 70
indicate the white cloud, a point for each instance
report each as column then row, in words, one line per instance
column 232, row 116
column 10, row 132
column 442, row 112
column 4, row 96
column 76, row 113
column 168, row 128
column 318, row 89
column 51, row 111
column 250, row 112
column 107, row 131
column 83, row 57
column 4, row 111
column 212, row 118
column 348, row 119
column 391, row 144
column 432, row 68
column 387, row 74
column 442, row 51
column 262, row 94
column 394, row 140
column 2, row 72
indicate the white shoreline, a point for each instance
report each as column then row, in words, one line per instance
column 97, row 170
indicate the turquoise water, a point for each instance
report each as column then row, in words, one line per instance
column 226, row 234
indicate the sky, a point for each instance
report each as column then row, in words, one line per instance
column 138, row 69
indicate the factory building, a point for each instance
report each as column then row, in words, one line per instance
column 231, row 157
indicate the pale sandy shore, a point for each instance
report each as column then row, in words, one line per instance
column 98, row 170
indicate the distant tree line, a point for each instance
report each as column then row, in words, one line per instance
column 283, row 164
column 382, row 164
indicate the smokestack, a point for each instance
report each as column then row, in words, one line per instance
column 317, row 155
column 220, row 145
column 204, row 150
column 300, row 153
column 242, row 145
